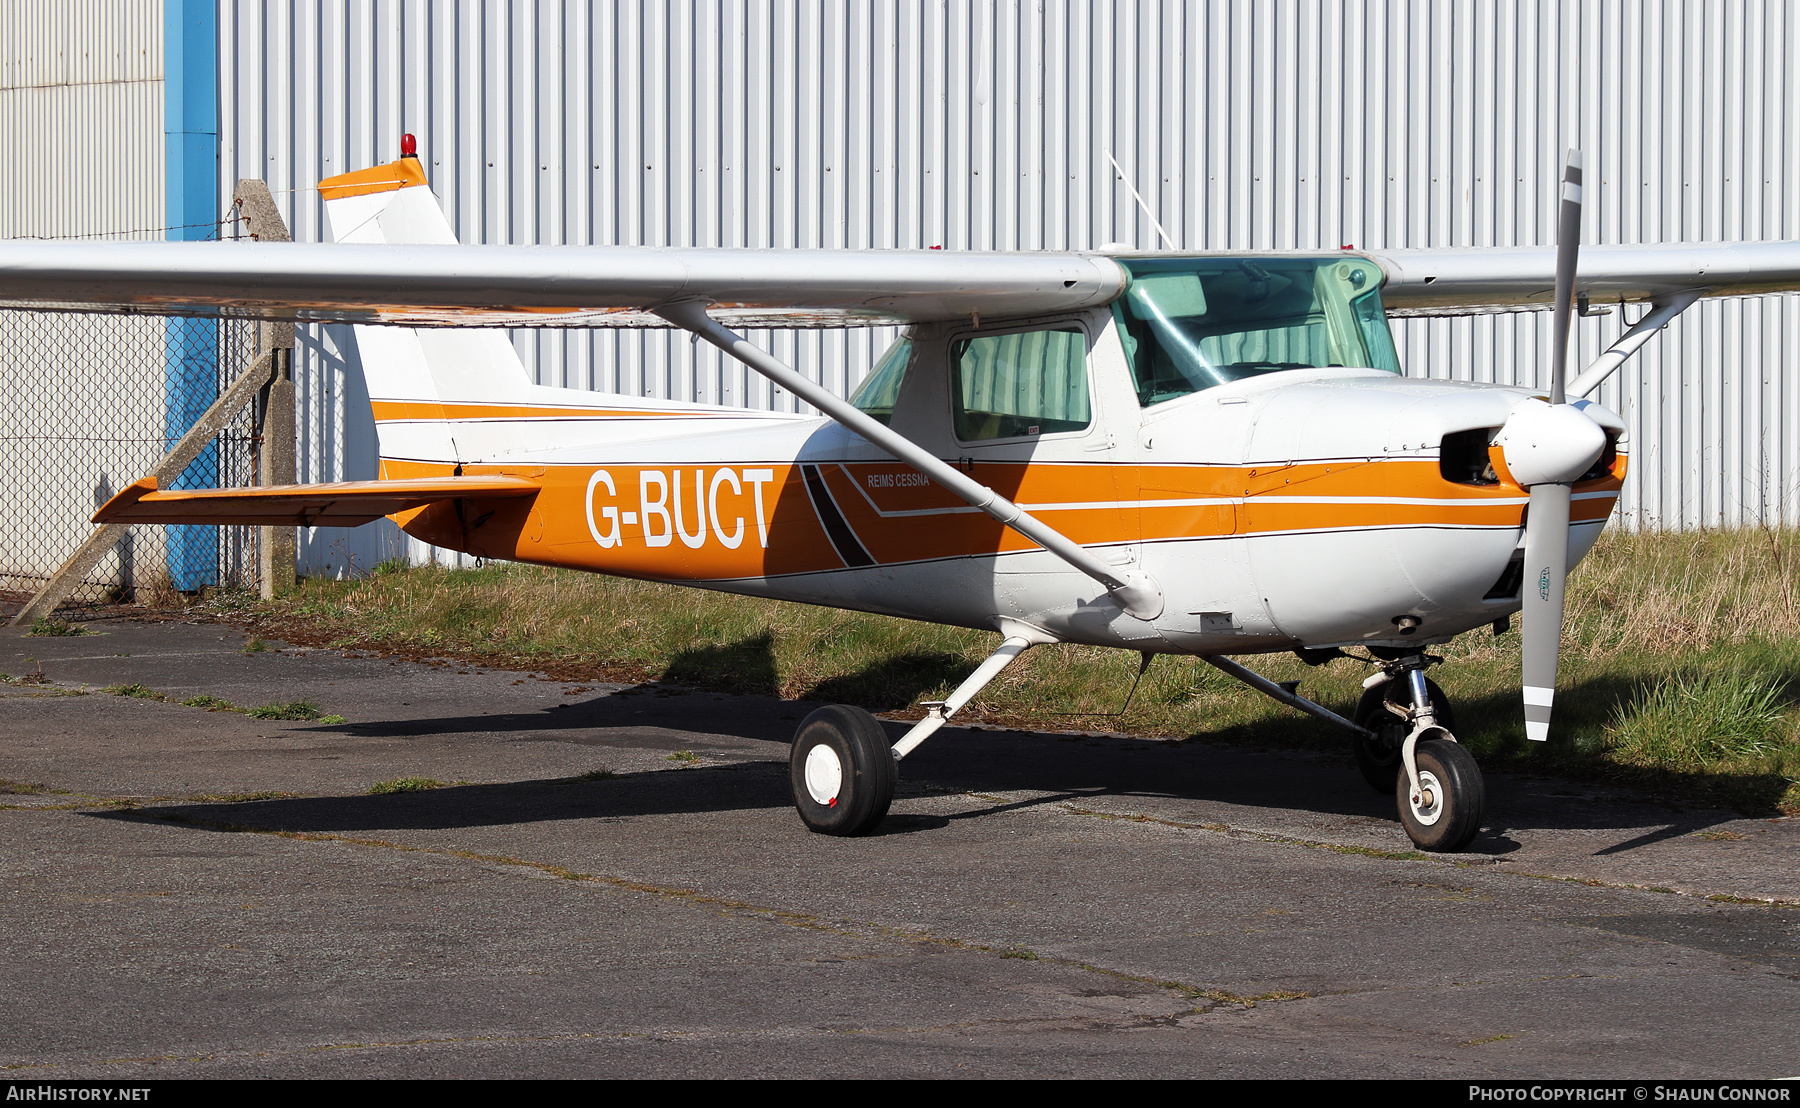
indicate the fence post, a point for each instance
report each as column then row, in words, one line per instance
column 275, row 404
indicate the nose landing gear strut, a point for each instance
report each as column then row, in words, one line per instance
column 1406, row 747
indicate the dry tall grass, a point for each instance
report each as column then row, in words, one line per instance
column 1681, row 666
column 1687, row 591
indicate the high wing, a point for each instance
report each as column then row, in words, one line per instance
column 623, row 286
column 332, row 504
column 1464, row 280
column 568, row 286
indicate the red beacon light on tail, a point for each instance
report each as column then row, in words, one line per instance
column 409, row 146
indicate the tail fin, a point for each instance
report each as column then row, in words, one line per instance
column 412, row 372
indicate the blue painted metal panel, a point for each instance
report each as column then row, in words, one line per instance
column 191, row 348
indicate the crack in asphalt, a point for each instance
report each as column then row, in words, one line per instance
column 1415, row 856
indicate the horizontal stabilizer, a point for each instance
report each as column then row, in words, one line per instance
column 338, row 504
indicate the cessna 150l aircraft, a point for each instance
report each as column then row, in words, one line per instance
column 1210, row 454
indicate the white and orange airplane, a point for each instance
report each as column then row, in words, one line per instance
column 1210, row 454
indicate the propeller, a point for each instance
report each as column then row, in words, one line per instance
column 1546, row 447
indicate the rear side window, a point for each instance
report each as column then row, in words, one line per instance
column 1020, row 385
column 881, row 388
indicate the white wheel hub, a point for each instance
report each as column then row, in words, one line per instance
column 824, row 775
column 1428, row 805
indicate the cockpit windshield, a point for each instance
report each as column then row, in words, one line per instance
column 1192, row 323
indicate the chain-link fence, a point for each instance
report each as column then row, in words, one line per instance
column 88, row 404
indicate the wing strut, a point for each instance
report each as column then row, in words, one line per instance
column 1662, row 310
column 1135, row 592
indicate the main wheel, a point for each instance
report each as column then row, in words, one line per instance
column 842, row 771
column 1448, row 812
column 1379, row 758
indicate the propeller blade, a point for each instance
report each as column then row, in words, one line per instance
column 1568, row 244
column 1541, row 618
column 1547, row 518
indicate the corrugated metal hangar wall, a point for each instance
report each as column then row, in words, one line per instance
column 892, row 123
column 81, row 154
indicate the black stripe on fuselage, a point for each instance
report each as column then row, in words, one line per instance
column 837, row 528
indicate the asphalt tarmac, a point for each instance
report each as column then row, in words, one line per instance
column 614, row 884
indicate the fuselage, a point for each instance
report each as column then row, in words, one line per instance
column 1287, row 507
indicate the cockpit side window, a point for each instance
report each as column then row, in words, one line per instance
column 880, row 390
column 1020, row 385
column 1191, row 323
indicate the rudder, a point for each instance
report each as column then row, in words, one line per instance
column 411, row 372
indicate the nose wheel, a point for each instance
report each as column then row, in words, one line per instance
column 842, row 771
column 1445, row 813
column 1408, row 748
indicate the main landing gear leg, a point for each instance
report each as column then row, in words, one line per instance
column 1437, row 785
column 842, row 770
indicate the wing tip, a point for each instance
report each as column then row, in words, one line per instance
column 124, row 499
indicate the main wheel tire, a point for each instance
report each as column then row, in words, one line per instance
column 1379, row 758
column 842, row 771
column 1453, row 797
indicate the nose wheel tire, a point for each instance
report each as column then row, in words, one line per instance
column 1447, row 814
column 1379, row 758
column 842, row 771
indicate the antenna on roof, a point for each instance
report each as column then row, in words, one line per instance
column 1167, row 241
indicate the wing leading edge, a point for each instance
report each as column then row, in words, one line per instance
column 560, row 286
column 594, row 286
column 1461, row 281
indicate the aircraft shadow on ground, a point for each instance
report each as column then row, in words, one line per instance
column 690, row 791
column 1588, row 707
column 741, row 787
column 748, row 667
column 1059, row 768
column 1254, row 765
column 745, row 667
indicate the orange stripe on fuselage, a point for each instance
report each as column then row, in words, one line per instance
column 387, row 411
column 755, row 519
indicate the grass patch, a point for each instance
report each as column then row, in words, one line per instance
column 404, row 785
column 1680, row 670
column 1489, row 1039
column 21, row 788
column 55, row 628
column 255, row 646
column 211, row 703
column 1220, row 996
column 292, row 710
column 134, row 690
column 1693, row 720
column 685, row 757
column 299, row 710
